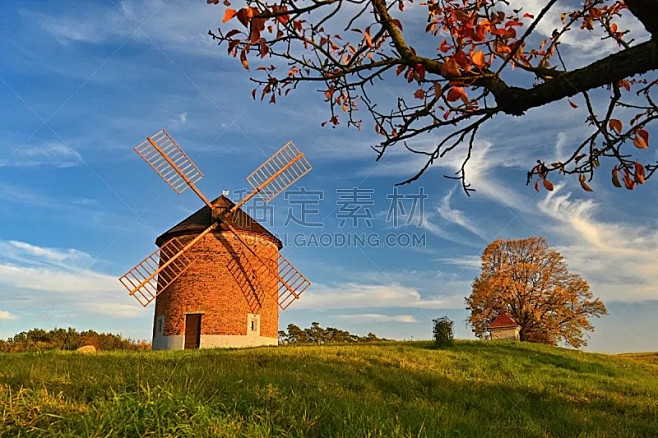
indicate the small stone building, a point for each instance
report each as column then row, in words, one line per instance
column 504, row 327
column 212, row 303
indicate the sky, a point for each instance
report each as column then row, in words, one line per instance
column 82, row 83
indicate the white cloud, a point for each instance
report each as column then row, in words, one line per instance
column 6, row 316
column 457, row 216
column 617, row 259
column 63, row 277
column 360, row 296
column 469, row 262
column 378, row 317
column 51, row 155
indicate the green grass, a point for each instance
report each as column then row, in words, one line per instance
column 499, row 389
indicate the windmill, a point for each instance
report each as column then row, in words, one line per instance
column 217, row 277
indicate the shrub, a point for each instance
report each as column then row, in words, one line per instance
column 443, row 332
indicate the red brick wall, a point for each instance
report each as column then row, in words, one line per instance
column 209, row 287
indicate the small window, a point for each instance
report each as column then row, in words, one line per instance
column 252, row 323
column 160, row 325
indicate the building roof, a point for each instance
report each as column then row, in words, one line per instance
column 503, row 320
column 202, row 219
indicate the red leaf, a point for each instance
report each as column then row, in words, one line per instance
column 548, row 185
column 583, row 184
column 444, row 47
column 230, row 13
column 527, row 15
column 537, row 185
column 573, row 105
column 615, row 125
column 419, row 94
column 399, row 69
column 455, row 93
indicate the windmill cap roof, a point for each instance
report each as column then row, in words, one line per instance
column 503, row 320
column 202, row 219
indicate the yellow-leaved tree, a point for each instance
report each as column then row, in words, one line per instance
column 531, row 282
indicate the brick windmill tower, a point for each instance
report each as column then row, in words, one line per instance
column 217, row 277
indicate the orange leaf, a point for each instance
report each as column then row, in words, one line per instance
column 419, row 94
column 478, row 59
column 230, row 13
column 583, row 184
column 243, row 59
column 628, row 181
column 639, row 173
column 573, row 105
column 437, row 89
column 641, row 140
column 399, row 69
column 455, row 93
column 450, row 67
column 444, row 47
column 615, row 125
column 366, row 34
column 615, row 177
column 548, row 185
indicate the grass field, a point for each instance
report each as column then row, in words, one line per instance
column 478, row 389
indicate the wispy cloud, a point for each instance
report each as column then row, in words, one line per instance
column 6, row 316
column 48, row 155
column 59, row 273
column 457, row 217
column 360, row 296
column 618, row 259
column 377, row 317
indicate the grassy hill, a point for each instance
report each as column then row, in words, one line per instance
column 394, row 389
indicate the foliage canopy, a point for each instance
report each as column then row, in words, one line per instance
column 531, row 282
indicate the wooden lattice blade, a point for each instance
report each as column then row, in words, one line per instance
column 279, row 172
column 150, row 277
column 292, row 283
column 166, row 157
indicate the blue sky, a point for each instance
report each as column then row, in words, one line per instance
column 83, row 83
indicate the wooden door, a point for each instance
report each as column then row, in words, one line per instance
column 192, row 331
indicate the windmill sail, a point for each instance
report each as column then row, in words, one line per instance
column 166, row 157
column 153, row 275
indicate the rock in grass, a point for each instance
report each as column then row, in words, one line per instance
column 87, row 349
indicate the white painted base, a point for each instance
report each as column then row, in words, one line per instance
column 177, row 342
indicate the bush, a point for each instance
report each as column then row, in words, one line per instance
column 443, row 332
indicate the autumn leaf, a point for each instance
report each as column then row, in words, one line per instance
column 641, row 140
column 419, row 94
column 437, row 89
column 230, row 13
column 615, row 177
column 450, row 67
column 628, row 181
column 478, row 59
column 583, row 184
column 615, row 125
column 457, row 93
column 366, row 34
column 243, row 59
column 399, row 69
column 548, row 185
column 573, row 105
column 444, row 47
column 639, row 173
column 537, row 185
